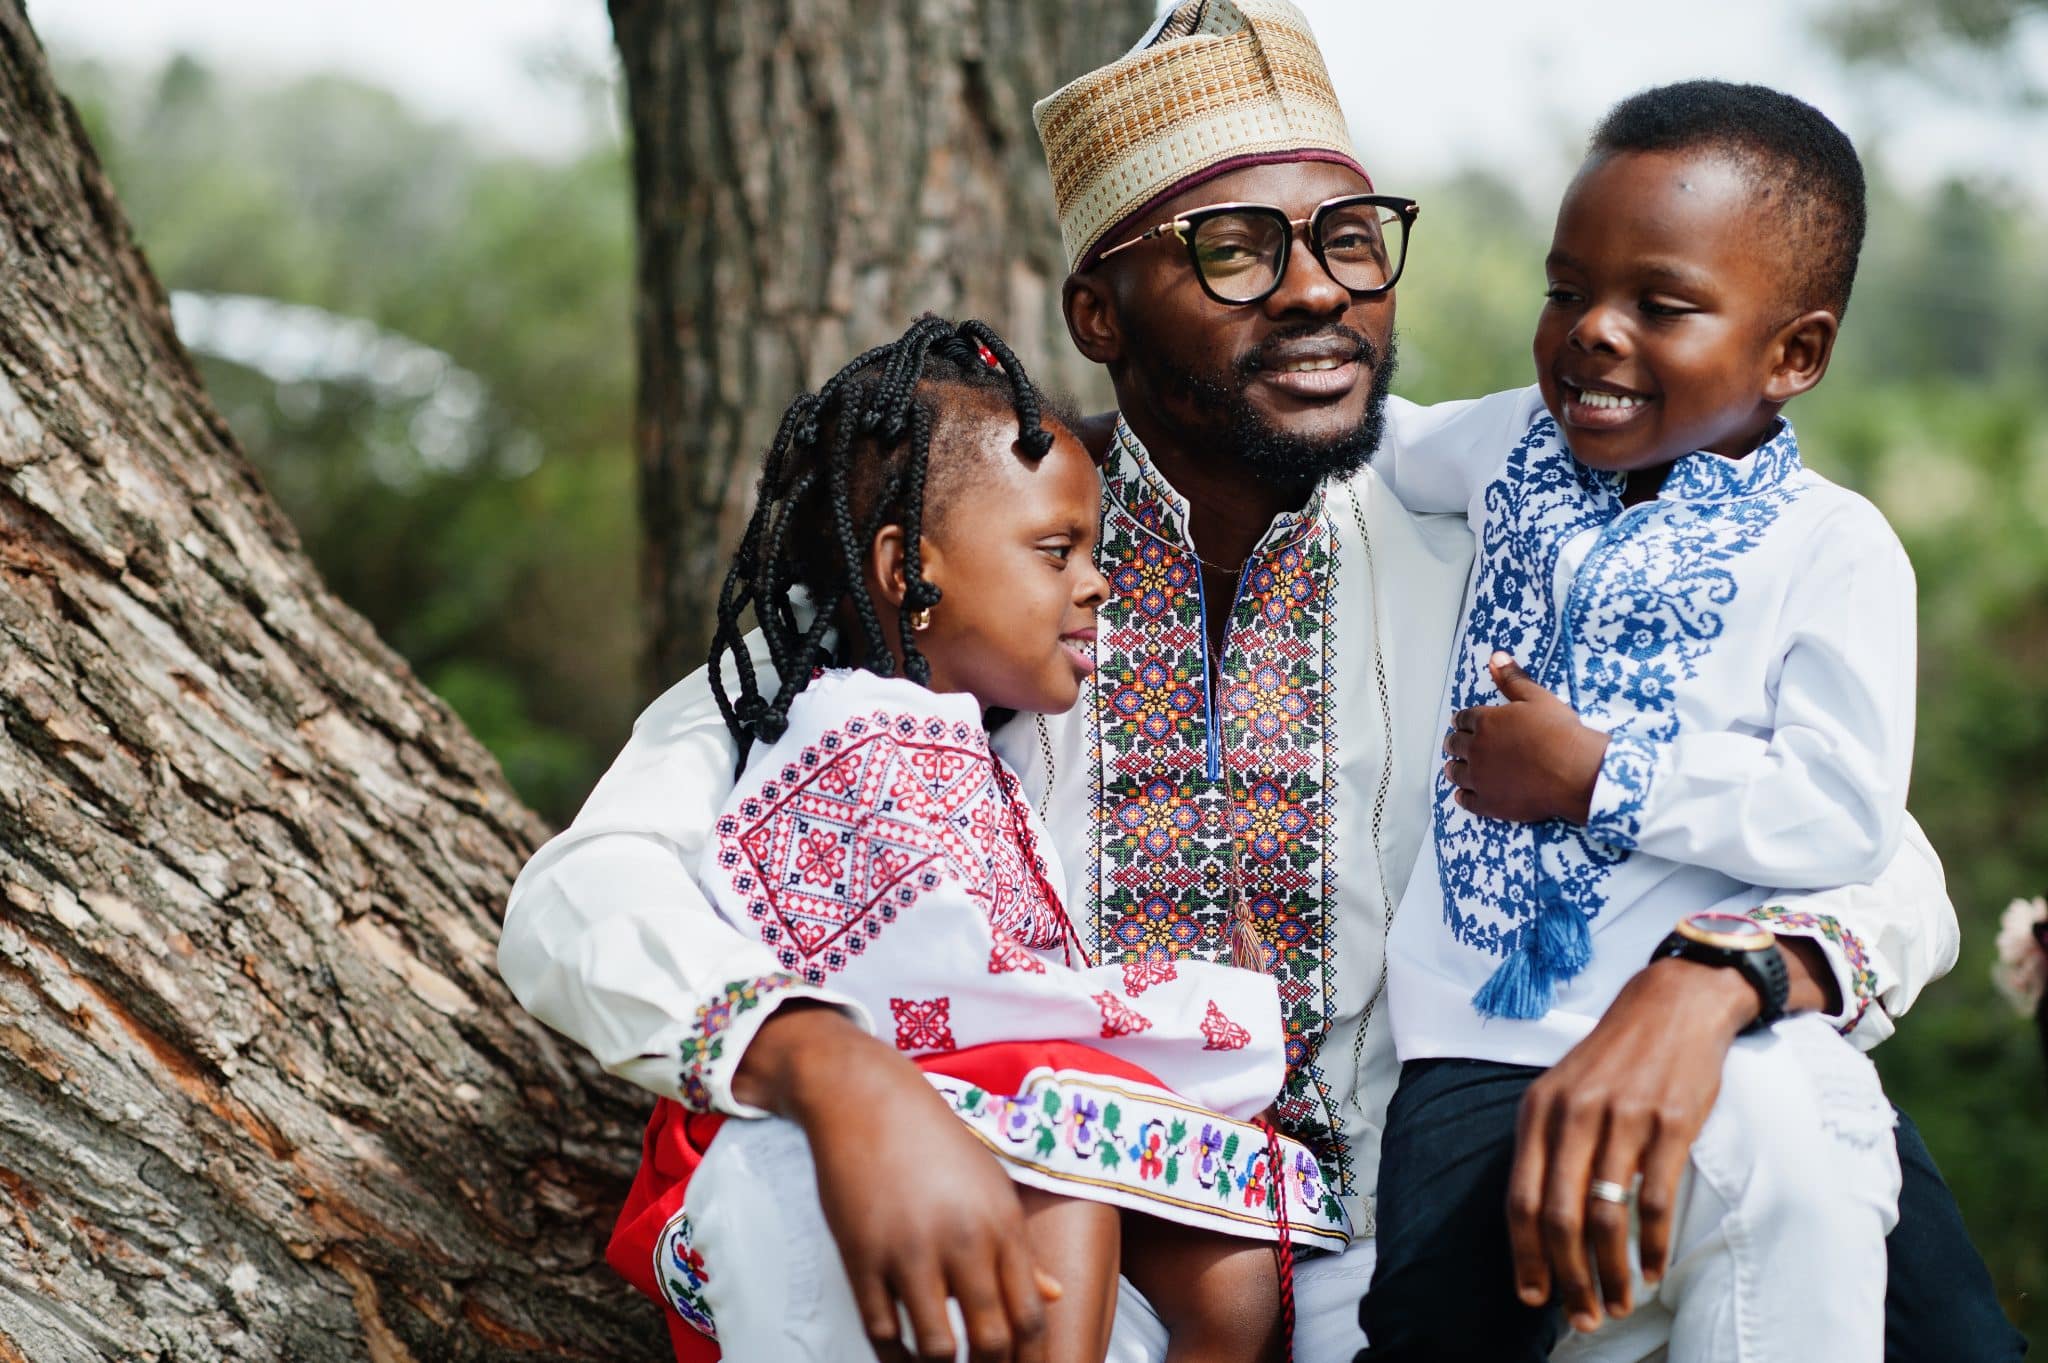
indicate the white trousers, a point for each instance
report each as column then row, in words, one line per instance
column 1778, row 1252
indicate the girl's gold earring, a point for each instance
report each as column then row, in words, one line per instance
column 921, row 619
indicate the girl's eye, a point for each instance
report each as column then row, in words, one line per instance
column 1059, row 552
column 1653, row 308
column 1558, row 293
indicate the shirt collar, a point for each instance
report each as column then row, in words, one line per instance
column 1706, row 477
column 1133, row 481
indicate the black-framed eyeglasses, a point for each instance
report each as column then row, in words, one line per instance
column 1239, row 250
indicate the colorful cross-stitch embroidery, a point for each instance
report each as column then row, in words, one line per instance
column 1207, row 792
column 1144, row 1148
column 703, row 1047
column 1799, row 923
column 923, row 1024
column 861, row 823
column 679, row 1268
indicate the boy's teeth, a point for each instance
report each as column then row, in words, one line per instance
column 1592, row 399
column 1311, row 366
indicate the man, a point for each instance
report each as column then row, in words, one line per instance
column 1250, row 765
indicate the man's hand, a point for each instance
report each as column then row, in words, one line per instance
column 1627, row 1101
column 920, row 1210
column 1527, row 760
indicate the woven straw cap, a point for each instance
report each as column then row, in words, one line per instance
column 1214, row 85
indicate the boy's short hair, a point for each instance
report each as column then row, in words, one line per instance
column 1802, row 164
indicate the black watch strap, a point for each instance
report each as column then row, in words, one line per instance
column 1763, row 967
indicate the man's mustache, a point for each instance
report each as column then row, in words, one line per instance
column 1257, row 358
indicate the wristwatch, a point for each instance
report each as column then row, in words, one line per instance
column 1740, row 943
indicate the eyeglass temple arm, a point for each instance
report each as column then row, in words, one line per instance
column 1173, row 226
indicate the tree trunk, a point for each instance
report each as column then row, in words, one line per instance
column 811, row 175
column 262, row 1094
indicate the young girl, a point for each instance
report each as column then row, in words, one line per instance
column 921, row 557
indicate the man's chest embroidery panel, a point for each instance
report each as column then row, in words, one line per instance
column 1204, row 793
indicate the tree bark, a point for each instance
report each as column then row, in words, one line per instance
column 262, row 1094
column 811, row 175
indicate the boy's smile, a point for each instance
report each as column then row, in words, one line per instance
column 1669, row 326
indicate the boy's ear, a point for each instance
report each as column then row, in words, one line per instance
column 1802, row 349
column 1091, row 317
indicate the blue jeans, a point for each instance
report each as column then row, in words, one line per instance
column 1443, row 1290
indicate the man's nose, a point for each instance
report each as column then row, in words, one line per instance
column 1305, row 286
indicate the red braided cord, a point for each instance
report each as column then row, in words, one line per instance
column 1283, row 1248
column 1020, row 830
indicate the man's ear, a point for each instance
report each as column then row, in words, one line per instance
column 1092, row 322
column 1802, row 349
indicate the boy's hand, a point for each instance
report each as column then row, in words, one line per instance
column 1527, row 760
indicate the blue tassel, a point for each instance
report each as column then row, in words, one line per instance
column 1553, row 948
column 1516, row 990
column 1563, row 943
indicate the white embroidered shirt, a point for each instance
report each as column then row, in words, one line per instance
column 1746, row 639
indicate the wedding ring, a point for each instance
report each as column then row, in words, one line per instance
column 1600, row 1190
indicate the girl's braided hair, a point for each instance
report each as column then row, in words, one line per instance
column 846, row 461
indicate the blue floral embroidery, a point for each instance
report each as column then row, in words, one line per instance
column 1637, row 616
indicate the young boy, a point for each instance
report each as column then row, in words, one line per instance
column 1717, row 703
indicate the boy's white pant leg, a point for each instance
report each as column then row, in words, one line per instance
column 1778, row 1251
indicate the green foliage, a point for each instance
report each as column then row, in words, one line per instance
column 508, row 581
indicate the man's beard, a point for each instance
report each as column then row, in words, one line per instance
column 1275, row 456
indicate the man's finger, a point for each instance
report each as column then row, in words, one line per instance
column 1458, row 744
column 1657, row 1202
column 1614, row 1174
column 972, row 1280
column 1525, row 1202
column 1465, row 721
column 1575, row 1132
column 922, row 1290
column 877, row 1306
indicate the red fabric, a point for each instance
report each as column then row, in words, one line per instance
column 677, row 1141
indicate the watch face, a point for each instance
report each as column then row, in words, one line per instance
column 1729, row 930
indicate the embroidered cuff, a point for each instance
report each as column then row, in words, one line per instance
column 726, row 1023
column 1616, row 815
column 1855, row 980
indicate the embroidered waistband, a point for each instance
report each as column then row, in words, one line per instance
column 1143, row 1148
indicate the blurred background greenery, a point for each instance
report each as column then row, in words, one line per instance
column 425, row 347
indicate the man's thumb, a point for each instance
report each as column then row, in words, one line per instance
column 1514, row 683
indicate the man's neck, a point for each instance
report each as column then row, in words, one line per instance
column 1230, row 507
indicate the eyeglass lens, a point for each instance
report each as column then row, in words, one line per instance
column 1239, row 252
